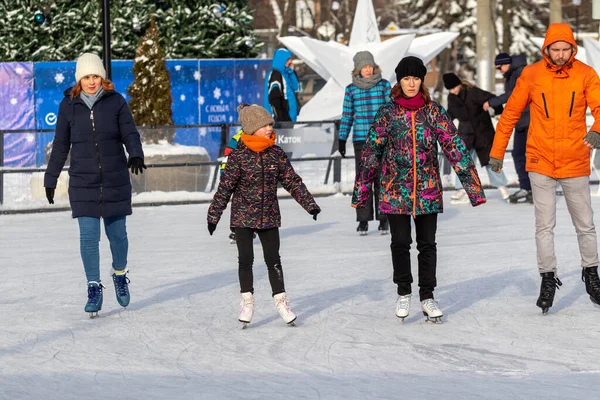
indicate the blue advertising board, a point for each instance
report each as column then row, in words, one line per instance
column 204, row 92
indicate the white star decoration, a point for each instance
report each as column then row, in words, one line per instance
column 59, row 78
column 333, row 61
column 197, row 75
column 217, row 93
column 13, row 101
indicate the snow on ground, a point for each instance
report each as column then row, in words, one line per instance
column 180, row 338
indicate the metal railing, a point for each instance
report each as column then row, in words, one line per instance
column 334, row 162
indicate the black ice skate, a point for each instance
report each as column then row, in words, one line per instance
column 592, row 283
column 363, row 228
column 521, row 196
column 547, row 290
column 384, row 227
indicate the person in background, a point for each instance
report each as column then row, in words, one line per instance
column 558, row 89
column 253, row 172
column 94, row 123
column 281, row 86
column 362, row 99
column 465, row 103
column 511, row 68
column 402, row 153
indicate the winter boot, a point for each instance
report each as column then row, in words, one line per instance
column 403, row 306
column 547, row 290
column 94, row 303
column 363, row 228
column 121, row 282
column 384, row 227
column 592, row 283
column 431, row 311
column 282, row 304
column 521, row 196
column 247, row 310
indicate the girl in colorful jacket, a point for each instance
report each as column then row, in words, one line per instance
column 253, row 171
column 401, row 151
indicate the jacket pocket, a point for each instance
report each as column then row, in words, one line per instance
column 545, row 105
column 572, row 102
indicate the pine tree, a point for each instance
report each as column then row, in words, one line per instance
column 150, row 91
column 190, row 29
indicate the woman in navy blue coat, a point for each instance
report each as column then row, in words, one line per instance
column 94, row 122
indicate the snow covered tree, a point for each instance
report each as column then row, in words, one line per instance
column 150, row 91
column 190, row 28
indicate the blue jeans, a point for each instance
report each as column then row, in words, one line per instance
column 89, row 244
column 496, row 179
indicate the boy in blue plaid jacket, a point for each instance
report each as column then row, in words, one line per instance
column 362, row 99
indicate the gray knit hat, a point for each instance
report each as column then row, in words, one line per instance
column 89, row 64
column 362, row 59
column 253, row 117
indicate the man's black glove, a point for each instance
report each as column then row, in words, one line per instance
column 137, row 165
column 211, row 228
column 342, row 147
column 50, row 195
column 314, row 213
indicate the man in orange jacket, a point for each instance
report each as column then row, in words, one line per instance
column 558, row 90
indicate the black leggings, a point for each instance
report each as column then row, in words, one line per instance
column 269, row 238
column 426, row 227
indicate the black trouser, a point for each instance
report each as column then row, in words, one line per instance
column 366, row 214
column 269, row 238
column 518, row 153
column 425, row 227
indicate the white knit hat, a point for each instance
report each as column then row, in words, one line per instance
column 89, row 64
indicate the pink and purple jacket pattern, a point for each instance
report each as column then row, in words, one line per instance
column 403, row 146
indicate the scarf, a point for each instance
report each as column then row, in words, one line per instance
column 91, row 99
column 412, row 103
column 258, row 143
column 366, row 83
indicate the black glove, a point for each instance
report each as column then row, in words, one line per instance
column 211, row 228
column 137, row 165
column 50, row 195
column 342, row 147
column 314, row 213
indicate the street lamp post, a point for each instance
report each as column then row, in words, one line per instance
column 106, row 37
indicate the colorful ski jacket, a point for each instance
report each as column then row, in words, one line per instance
column 360, row 108
column 402, row 150
column 250, row 181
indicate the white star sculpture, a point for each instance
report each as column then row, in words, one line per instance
column 333, row 61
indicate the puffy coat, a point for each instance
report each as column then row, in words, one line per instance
column 281, row 86
column 403, row 147
column 251, row 178
column 475, row 126
column 519, row 62
column 99, row 182
column 558, row 97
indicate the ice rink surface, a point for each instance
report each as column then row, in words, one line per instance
column 180, row 338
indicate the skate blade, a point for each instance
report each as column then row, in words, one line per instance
column 384, row 232
column 244, row 325
column 545, row 311
column 433, row 320
column 292, row 322
column 362, row 233
column 401, row 318
column 232, row 242
column 93, row 314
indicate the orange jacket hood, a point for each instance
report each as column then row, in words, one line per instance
column 559, row 33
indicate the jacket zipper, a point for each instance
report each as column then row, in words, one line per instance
column 545, row 106
column 572, row 101
column 98, row 155
column 262, row 201
column 414, row 139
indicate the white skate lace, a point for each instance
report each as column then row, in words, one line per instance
column 403, row 302
column 284, row 303
column 430, row 305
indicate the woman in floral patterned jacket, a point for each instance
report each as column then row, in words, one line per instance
column 402, row 148
column 253, row 170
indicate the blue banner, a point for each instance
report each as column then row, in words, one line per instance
column 18, row 112
column 204, row 92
